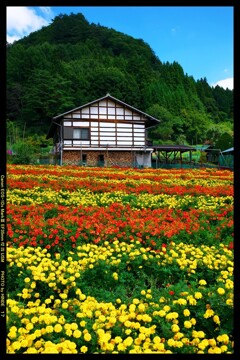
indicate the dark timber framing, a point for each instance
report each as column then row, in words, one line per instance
column 167, row 150
column 104, row 126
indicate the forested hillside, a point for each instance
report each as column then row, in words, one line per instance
column 72, row 62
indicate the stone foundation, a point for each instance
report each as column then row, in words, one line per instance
column 99, row 158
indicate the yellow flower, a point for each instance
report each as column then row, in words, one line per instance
column 212, row 342
column 109, row 347
column 136, row 325
column 49, row 328
column 224, row 348
column 115, row 276
column 68, row 332
column 191, row 300
column 229, row 302
column 179, row 344
column 77, row 334
column 74, row 326
column 166, row 308
column 141, row 307
column 38, row 344
column 161, row 313
column 198, row 295
column 24, row 343
column 182, row 301
column 203, row 344
column 156, row 339
column 16, row 345
column 128, row 341
column 64, row 305
column 187, row 324
column 208, row 313
column 87, row 337
column 34, row 319
column 215, row 350
column 127, row 323
column 221, row 291
column 216, row 319
column 146, row 318
column 37, row 333
column 102, row 318
column 171, row 342
column 132, row 307
column 170, row 316
column 63, row 296
column 175, row 328
column 186, row 312
column 178, row 336
column 142, row 336
column 223, row 338
column 118, row 339
column 67, row 326
column 193, row 321
column 121, row 347
column 229, row 284
column 135, row 301
column 138, row 341
column 201, row 334
column 29, row 326
column 31, row 350
column 58, row 328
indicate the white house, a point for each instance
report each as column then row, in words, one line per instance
column 104, row 132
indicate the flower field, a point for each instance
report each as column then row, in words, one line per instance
column 120, row 261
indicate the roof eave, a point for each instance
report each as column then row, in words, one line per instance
column 113, row 98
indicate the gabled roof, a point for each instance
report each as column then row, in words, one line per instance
column 151, row 120
column 169, row 148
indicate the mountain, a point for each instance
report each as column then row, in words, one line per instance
column 72, row 62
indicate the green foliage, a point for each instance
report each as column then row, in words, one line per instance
column 26, row 150
column 24, row 153
column 224, row 142
column 71, row 62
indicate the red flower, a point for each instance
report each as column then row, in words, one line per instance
column 171, row 292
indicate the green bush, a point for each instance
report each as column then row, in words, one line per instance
column 24, row 153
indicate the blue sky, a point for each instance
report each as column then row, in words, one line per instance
column 199, row 38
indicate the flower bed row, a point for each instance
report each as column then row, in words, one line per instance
column 121, row 298
column 61, row 227
column 122, row 264
column 125, row 181
column 84, row 197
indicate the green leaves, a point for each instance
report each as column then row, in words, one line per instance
column 71, row 62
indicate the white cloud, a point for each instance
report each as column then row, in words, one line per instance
column 11, row 39
column 22, row 20
column 47, row 11
column 226, row 83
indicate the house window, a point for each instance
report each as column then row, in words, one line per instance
column 100, row 160
column 83, row 160
column 81, row 133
